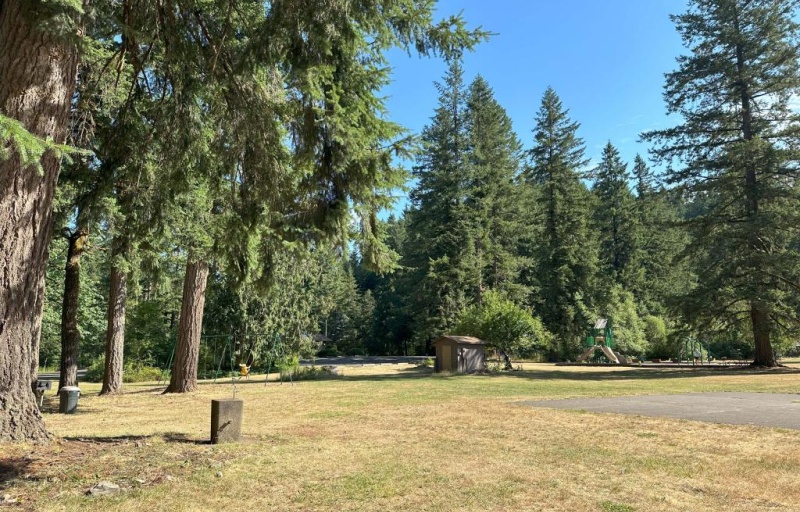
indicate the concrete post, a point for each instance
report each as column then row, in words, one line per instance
column 226, row 420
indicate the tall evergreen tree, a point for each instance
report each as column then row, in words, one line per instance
column 70, row 333
column 644, row 178
column 738, row 144
column 566, row 254
column 38, row 65
column 466, row 206
column 439, row 238
column 129, row 172
column 393, row 323
column 300, row 42
column 660, row 276
column 199, row 230
column 616, row 220
column 494, row 202
column 84, row 187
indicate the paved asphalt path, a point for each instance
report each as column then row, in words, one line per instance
column 362, row 360
column 764, row 409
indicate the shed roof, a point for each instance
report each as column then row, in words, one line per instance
column 461, row 340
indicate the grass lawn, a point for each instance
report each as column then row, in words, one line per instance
column 398, row 438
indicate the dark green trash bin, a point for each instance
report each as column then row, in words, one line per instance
column 68, row 399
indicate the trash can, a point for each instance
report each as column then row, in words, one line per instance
column 68, row 399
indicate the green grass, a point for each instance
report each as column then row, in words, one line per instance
column 610, row 506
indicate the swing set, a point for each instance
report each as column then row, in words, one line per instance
column 694, row 351
column 243, row 352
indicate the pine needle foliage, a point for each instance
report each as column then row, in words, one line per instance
column 616, row 219
column 565, row 256
column 737, row 149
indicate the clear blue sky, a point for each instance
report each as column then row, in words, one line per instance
column 606, row 59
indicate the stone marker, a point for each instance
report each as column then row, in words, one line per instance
column 226, row 420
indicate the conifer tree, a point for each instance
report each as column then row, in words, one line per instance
column 494, row 204
column 70, row 333
column 644, row 178
column 616, row 220
column 393, row 323
column 129, row 174
column 438, row 236
column 738, row 146
column 85, row 191
column 330, row 55
column 197, row 228
column 659, row 276
column 566, row 254
column 38, row 64
column 466, row 206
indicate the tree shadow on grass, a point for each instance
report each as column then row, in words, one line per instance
column 594, row 376
column 167, row 437
column 12, row 469
column 641, row 374
column 108, row 439
column 149, row 390
column 181, row 438
column 50, row 405
column 410, row 372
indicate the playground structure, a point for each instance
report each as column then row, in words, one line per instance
column 600, row 337
column 694, row 351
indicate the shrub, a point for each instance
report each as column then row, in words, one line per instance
column 288, row 365
column 660, row 346
column 328, row 351
column 503, row 325
column 731, row 345
column 494, row 366
column 426, row 363
column 132, row 372
column 629, row 329
column 95, row 371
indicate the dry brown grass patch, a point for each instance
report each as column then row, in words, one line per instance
column 395, row 438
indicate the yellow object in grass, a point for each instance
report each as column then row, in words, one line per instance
column 244, row 370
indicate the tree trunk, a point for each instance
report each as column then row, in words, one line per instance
column 764, row 356
column 70, row 335
column 506, row 361
column 37, row 79
column 187, row 353
column 115, row 334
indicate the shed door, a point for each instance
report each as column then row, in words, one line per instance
column 447, row 358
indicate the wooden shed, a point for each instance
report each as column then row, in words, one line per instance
column 459, row 354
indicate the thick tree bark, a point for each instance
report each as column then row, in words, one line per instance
column 115, row 334
column 187, row 353
column 763, row 356
column 761, row 322
column 37, row 80
column 70, row 334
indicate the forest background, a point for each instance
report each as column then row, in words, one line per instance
column 494, row 219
